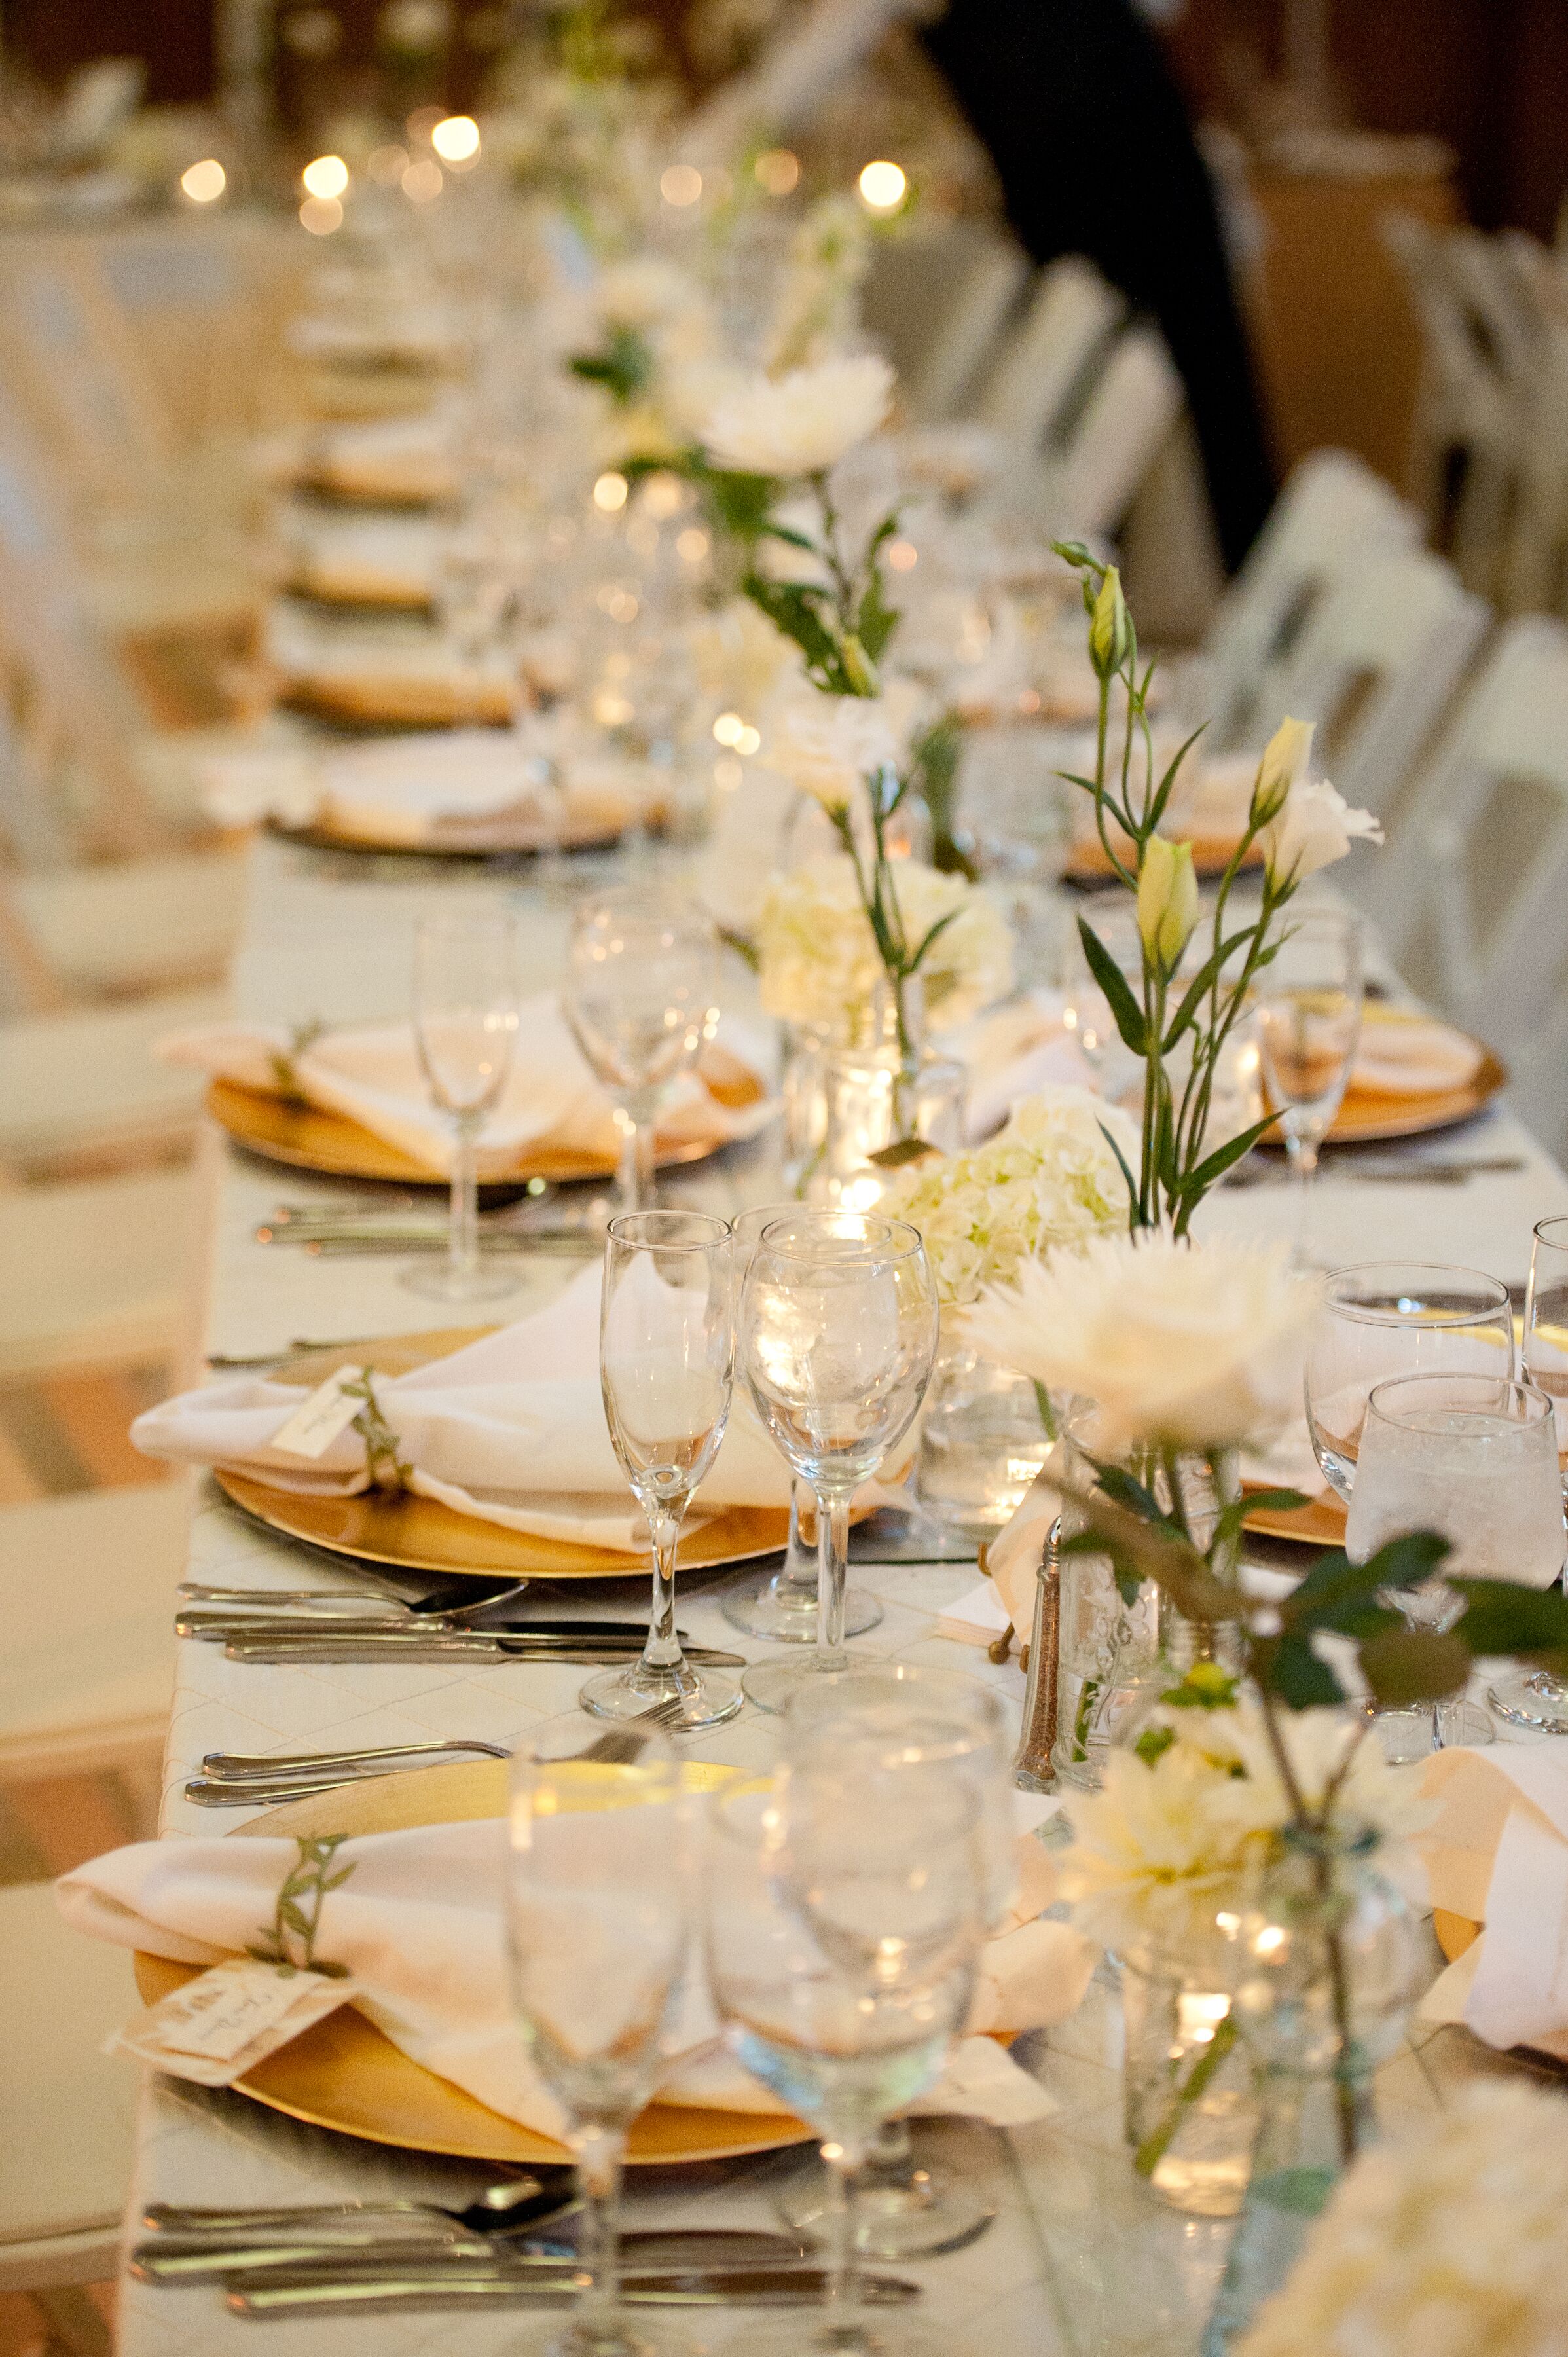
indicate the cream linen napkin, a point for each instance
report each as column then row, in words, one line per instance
column 418, row 1925
column 363, row 560
column 392, row 670
column 1497, row 1852
column 459, row 787
column 1402, row 1056
column 373, row 1076
column 510, row 1430
column 1014, row 1051
column 404, row 460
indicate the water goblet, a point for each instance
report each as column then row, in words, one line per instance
column 1534, row 1697
column 1308, row 1019
column 1381, row 1318
column 836, row 1334
column 845, row 1924
column 641, row 998
column 465, row 1027
column 598, row 1917
column 1473, row 1457
column 783, row 1605
column 666, row 1369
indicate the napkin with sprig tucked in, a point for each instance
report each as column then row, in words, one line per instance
column 1496, row 1853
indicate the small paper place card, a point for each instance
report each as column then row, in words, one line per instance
column 227, row 2019
column 314, row 1426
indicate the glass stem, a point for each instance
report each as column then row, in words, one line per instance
column 833, row 1571
column 841, row 2224
column 638, row 1151
column 1303, row 1153
column 799, row 1559
column 892, row 2152
column 599, row 2152
column 463, row 1217
column 663, row 1651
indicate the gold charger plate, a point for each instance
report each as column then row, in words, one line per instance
column 1370, row 1117
column 1320, row 1523
column 1211, row 855
column 307, row 1138
column 583, row 834
column 343, row 2074
column 422, row 1534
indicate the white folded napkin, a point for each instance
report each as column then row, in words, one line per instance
column 415, row 335
column 418, row 1924
column 510, row 1430
column 400, row 673
column 364, row 560
column 1014, row 1051
column 459, row 787
column 1401, row 1055
column 1497, row 1852
column 397, row 460
column 373, row 1076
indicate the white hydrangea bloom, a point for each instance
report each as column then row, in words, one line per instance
column 818, row 963
column 1050, row 1178
column 1445, row 2244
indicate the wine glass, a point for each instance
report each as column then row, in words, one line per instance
column 465, row 1027
column 1381, row 1318
column 836, row 1334
column 1536, row 1698
column 845, row 1924
column 641, row 998
column 908, row 2209
column 666, row 1369
column 783, row 1604
column 599, row 1918
column 1474, row 1457
column 1308, row 1019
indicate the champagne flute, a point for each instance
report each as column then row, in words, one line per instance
column 783, row 1605
column 1308, row 1016
column 641, row 998
column 1381, row 1318
column 464, row 1025
column 1535, row 1698
column 666, row 1369
column 837, row 1332
column 1474, row 1457
column 845, row 1924
column 598, row 1921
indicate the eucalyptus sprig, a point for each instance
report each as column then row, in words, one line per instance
column 289, row 1941
column 385, row 1467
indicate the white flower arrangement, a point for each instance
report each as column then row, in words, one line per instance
column 819, row 964
column 828, row 745
column 1445, row 2243
column 801, row 423
column 1180, row 1345
column 1049, row 1179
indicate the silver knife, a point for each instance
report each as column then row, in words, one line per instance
column 302, row 2292
column 369, row 1622
column 195, row 2258
column 419, row 1645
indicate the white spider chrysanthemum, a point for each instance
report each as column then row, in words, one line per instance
column 817, row 955
column 801, row 423
column 1199, row 1346
column 1050, row 1179
column 1445, row 2243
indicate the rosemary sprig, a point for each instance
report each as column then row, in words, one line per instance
column 383, row 1463
column 285, row 1068
column 289, row 1941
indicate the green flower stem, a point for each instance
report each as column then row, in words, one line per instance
column 1157, row 2143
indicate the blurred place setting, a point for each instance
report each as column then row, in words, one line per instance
column 783, row 1082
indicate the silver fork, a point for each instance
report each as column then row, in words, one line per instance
column 234, row 1780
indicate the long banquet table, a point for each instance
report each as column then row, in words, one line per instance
column 1081, row 2258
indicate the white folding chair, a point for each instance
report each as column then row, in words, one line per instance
column 1475, row 903
column 1071, row 317
column 1331, row 512
column 940, row 304
column 83, row 1089
column 99, row 1274
column 1379, row 658
column 1096, row 460
column 113, row 931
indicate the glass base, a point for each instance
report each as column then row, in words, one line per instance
column 873, row 2332
column 1531, row 1699
column 784, row 1610
column 773, row 1685
column 437, row 1282
column 704, row 1700
column 907, row 2215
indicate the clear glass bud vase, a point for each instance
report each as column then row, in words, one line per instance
column 1330, row 1961
column 887, row 1095
column 983, row 1439
column 1116, row 1658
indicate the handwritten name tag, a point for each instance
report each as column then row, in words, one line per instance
column 227, row 2019
column 314, row 1425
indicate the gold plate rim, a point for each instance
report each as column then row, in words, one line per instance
column 1320, row 1523
column 269, row 2084
column 1211, row 855
column 1372, row 1120
column 328, row 838
column 490, row 1548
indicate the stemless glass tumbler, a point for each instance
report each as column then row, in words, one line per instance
column 1381, row 1318
column 465, row 1027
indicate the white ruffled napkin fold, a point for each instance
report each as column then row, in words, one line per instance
column 396, row 671
column 1411, row 1055
column 363, row 560
column 1497, row 1854
column 373, row 1075
column 462, row 787
column 510, row 1430
column 418, row 1924
column 1014, row 1051
column 401, row 460
column 404, row 333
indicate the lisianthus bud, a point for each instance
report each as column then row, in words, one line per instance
column 1111, row 627
column 1168, row 901
column 1284, row 765
column 858, row 667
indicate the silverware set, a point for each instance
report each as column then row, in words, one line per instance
column 410, row 2255
column 1382, row 1171
column 400, row 1224
column 241, row 1779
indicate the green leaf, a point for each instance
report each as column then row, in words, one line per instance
column 1127, row 1490
column 1173, row 1564
column 1206, row 1686
column 624, row 367
column 1500, row 1617
column 788, row 605
column 1406, row 1561
column 1296, row 1673
column 1412, row 1665
column 1119, row 997
column 939, row 927
column 1153, row 1743
column 740, row 502
column 1198, row 989
column 1163, row 792
column 1200, row 1180
column 1133, row 1219
column 1255, row 1501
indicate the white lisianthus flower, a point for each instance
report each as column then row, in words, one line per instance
column 1445, row 2242
column 818, row 962
column 802, row 423
column 1316, row 827
column 1196, row 1346
column 826, row 744
column 1048, row 1181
